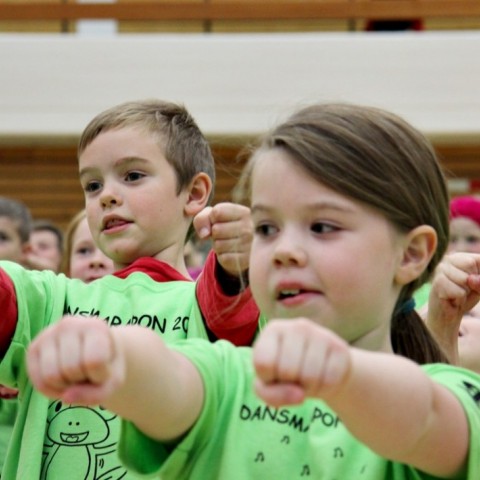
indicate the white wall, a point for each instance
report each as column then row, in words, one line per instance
column 239, row 84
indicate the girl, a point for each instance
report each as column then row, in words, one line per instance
column 465, row 224
column 83, row 259
column 360, row 221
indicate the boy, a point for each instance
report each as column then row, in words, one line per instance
column 46, row 242
column 146, row 171
column 15, row 229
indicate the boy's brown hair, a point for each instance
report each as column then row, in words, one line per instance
column 182, row 142
column 20, row 215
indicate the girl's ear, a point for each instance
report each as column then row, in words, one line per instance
column 198, row 194
column 420, row 245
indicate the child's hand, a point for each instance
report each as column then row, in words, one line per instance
column 295, row 359
column 455, row 291
column 231, row 229
column 76, row 360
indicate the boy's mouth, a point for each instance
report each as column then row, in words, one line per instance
column 112, row 223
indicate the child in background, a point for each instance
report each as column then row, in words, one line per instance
column 451, row 314
column 336, row 256
column 46, row 242
column 15, row 229
column 465, row 224
column 464, row 236
column 83, row 259
column 146, row 171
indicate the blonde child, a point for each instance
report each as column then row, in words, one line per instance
column 83, row 259
column 146, row 171
column 326, row 392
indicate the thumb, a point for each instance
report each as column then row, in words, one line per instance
column 202, row 223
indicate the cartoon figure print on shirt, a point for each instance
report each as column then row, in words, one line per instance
column 82, row 442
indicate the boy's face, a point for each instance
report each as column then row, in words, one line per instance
column 11, row 246
column 132, row 205
column 44, row 243
column 321, row 255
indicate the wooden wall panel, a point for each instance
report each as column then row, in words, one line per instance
column 45, row 177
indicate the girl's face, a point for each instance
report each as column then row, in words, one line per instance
column 321, row 255
column 464, row 235
column 87, row 261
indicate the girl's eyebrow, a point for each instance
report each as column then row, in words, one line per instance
column 323, row 205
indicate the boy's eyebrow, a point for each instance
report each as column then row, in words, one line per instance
column 120, row 161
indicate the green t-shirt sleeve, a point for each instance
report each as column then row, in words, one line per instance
column 465, row 385
column 40, row 297
column 144, row 455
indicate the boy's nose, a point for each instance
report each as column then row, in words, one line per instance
column 109, row 198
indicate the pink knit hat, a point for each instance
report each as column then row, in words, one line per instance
column 466, row 206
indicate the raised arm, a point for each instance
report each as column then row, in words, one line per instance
column 222, row 289
column 127, row 369
column 385, row 400
column 455, row 291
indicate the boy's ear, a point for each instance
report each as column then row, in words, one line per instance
column 198, row 194
column 419, row 247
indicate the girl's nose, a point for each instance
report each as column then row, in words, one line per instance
column 98, row 260
column 290, row 251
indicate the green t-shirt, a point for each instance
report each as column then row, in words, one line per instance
column 421, row 295
column 51, row 440
column 8, row 412
column 238, row 437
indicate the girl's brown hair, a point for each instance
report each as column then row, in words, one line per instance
column 377, row 158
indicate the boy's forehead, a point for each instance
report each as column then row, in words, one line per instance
column 127, row 141
column 8, row 224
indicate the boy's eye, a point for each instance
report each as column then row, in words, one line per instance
column 320, row 227
column 4, row 237
column 133, row 176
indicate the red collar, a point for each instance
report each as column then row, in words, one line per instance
column 156, row 269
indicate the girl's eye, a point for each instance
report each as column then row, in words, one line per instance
column 92, row 186
column 472, row 239
column 320, row 227
column 133, row 176
column 264, row 230
column 83, row 251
